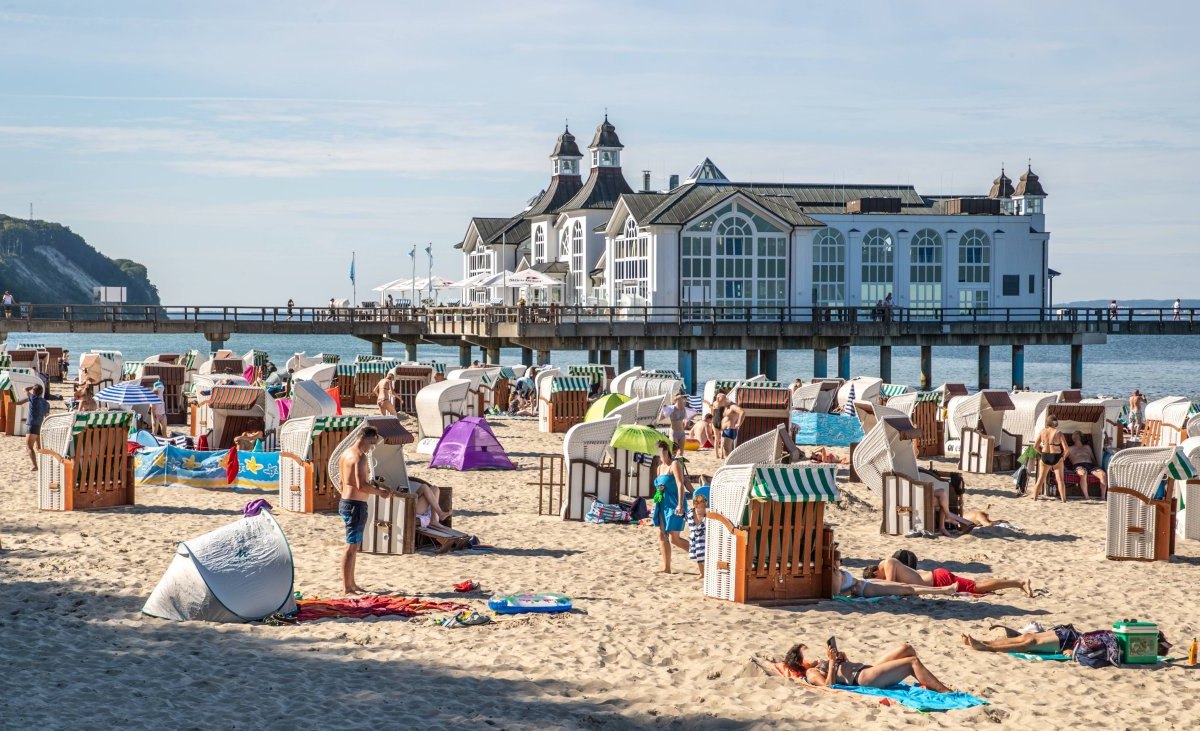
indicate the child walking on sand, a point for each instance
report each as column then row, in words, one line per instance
column 696, row 530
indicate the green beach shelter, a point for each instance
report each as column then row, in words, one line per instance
column 638, row 438
column 601, row 406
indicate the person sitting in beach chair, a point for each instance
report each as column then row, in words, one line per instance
column 246, row 440
column 704, row 433
column 1082, row 460
column 892, row 569
column 891, row 668
column 844, row 584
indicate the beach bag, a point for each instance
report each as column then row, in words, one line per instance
column 602, row 512
column 1098, row 649
column 1021, row 478
column 638, row 510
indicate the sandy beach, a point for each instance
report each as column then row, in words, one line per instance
column 642, row 649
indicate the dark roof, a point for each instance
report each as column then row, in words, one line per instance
column 566, row 147
column 602, row 189
column 551, row 267
column 1002, row 187
column 1029, row 184
column 606, row 135
column 562, row 189
column 485, row 226
column 707, row 172
column 514, row 231
column 640, row 204
column 681, row 204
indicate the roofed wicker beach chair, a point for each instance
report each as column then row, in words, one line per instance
column 869, row 413
column 1022, row 420
column 975, row 432
column 885, row 462
column 588, row 476
column 620, row 382
column 1189, row 491
column 306, row 444
column 817, row 397
column 407, row 382
column 1074, row 417
column 1141, row 502
column 438, row 406
column 1152, row 428
column 861, row 388
column 83, row 461
column 1114, row 430
column 479, row 398
column 923, row 409
column 236, row 410
column 765, row 405
column 775, row 447
column 564, row 403
column 1175, row 422
column 767, row 541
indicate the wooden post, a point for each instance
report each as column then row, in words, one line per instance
column 768, row 361
column 623, row 360
column 687, row 368
column 493, row 356
column 926, row 367
column 985, row 367
column 751, row 363
column 410, row 351
column 543, row 357
column 820, row 363
column 526, row 356
column 885, row 363
column 464, row 355
column 843, row 355
column 639, row 359
column 606, row 357
column 1077, row 365
column 1018, row 366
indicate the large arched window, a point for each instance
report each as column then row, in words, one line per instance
column 829, row 268
column 878, row 266
column 735, row 237
column 630, row 228
column 578, row 275
column 974, row 270
column 630, row 266
column 539, row 244
column 925, row 273
column 736, row 258
column 564, row 245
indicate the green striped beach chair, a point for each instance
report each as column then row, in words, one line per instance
column 305, row 485
column 1141, row 519
column 767, row 541
column 83, row 462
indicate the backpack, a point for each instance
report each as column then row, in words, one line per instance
column 1098, row 649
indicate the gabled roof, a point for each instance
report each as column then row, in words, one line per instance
column 483, row 228
column 514, row 231
column 551, row 267
column 682, row 204
column 602, row 189
column 1029, row 184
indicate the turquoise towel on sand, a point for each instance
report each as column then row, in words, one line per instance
column 917, row 698
column 1058, row 656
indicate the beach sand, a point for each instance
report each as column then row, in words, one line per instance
column 643, row 649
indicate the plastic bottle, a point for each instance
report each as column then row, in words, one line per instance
column 1192, row 653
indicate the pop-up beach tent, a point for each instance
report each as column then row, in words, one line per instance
column 241, row 572
column 469, row 444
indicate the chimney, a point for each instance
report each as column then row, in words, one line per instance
column 646, row 181
column 674, row 182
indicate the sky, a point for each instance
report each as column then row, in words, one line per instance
column 242, row 151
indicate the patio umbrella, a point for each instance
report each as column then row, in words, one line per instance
column 470, row 282
column 638, row 438
column 499, row 279
column 601, row 406
column 127, row 393
column 394, row 284
column 527, row 278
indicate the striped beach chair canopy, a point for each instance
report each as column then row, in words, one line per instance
column 101, row 418
column 758, row 384
column 570, row 383
column 1085, row 413
column 109, row 354
column 507, row 372
column 347, row 369
column 5, row 360
column 889, row 390
column 1180, row 467
column 235, row 398
column 258, row 358
column 794, row 483
column 366, row 358
column 331, row 358
column 596, row 373
column 30, row 346
column 437, row 367
column 662, row 373
column 935, row 396
column 377, row 366
column 327, row 423
column 131, row 367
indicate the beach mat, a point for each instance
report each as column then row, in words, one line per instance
column 909, row 696
column 370, row 606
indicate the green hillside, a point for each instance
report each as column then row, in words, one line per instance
column 47, row 263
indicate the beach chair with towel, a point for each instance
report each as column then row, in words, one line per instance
column 588, row 476
column 305, row 484
column 1141, row 503
column 1074, row 417
column 84, row 461
column 392, row 523
column 438, row 406
column 885, row 463
column 767, row 541
column 975, row 433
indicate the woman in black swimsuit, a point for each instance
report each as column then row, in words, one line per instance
column 1050, row 447
column 895, row 666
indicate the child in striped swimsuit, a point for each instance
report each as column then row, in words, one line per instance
column 696, row 518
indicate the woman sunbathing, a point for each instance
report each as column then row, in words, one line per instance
column 893, row 570
column 824, row 456
column 844, row 584
column 891, row 668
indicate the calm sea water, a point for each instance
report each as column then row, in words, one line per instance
column 1159, row 365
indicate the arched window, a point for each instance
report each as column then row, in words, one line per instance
column 925, row 273
column 539, row 244
column 630, row 266
column 735, row 237
column 577, row 272
column 630, row 228
column 734, row 257
column 974, row 269
column 564, row 245
column 878, row 266
column 829, row 268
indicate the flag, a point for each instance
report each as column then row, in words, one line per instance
column 352, row 269
column 413, row 253
column 429, row 250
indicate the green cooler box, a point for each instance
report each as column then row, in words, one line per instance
column 1138, row 641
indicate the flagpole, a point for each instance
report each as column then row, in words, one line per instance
column 353, row 282
column 429, row 281
column 413, row 255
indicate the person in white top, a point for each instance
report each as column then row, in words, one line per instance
column 8, row 305
column 1175, row 308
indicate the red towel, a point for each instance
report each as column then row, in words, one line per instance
column 371, row 606
column 232, row 466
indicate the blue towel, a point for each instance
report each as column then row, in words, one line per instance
column 918, row 699
column 1040, row 656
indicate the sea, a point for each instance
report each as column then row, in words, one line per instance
column 1159, row 365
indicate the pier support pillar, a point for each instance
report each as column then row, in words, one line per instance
column 543, row 357
column 687, row 369
column 216, row 341
column 820, row 363
column 606, row 357
column 464, row 356
column 593, row 356
column 492, row 356
column 623, row 360
column 926, row 367
column 376, row 345
column 751, row 363
column 844, row 362
column 885, row 363
column 410, row 351
column 526, row 357
column 985, row 367
column 1077, row 366
column 768, row 362
column 1018, row 366
column 639, row 359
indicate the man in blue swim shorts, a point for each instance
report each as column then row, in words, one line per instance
column 354, row 471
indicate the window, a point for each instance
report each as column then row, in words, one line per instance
column 878, row 266
column 975, row 258
column 479, row 262
column 1032, row 282
column 564, row 245
column 829, row 268
column 630, row 266
column 1011, row 285
column 727, row 260
column 577, row 272
column 925, row 274
column 972, row 299
column 539, row 245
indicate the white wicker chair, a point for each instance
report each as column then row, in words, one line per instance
column 885, row 462
column 1174, row 423
column 620, row 382
column 1022, row 419
column 649, row 409
column 869, row 413
column 1138, row 518
column 1155, row 412
column 769, row 448
column 904, row 403
column 1193, row 426
column 626, row 413
column 588, row 478
column 542, row 383
column 305, row 445
column 817, row 398
column 975, row 432
column 866, row 388
column 438, row 406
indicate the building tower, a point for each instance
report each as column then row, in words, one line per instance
column 1002, row 190
column 1029, row 195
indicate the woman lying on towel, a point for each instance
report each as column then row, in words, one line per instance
column 893, row 570
column 844, row 584
column 893, row 667
column 824, row 456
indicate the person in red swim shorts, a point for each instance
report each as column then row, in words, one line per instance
column 891, row 569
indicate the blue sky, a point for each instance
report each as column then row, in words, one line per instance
column 242, row 152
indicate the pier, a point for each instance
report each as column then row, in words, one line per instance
column 630, row 331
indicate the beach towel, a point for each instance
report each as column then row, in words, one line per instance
column 1059, row 657
column 911, row 696
column 371, row 606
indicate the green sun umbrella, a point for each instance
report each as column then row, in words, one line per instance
column 637, row 438
column 601, row 406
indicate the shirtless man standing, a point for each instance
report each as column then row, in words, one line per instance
column 385, row 396
column 353, row 468
column 731, row 419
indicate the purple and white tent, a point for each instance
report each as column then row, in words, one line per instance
column 469, row 444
